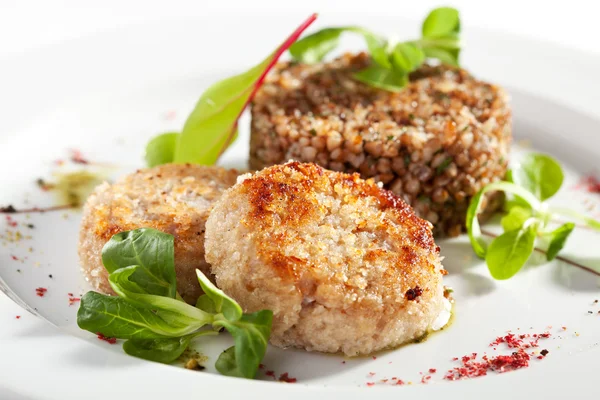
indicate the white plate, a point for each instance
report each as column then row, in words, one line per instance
column 107, row 94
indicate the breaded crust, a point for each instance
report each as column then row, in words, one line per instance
column 344, row 264
column 173, row 198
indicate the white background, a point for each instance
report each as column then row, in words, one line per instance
column 27, row 24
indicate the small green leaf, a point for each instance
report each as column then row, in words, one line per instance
column 164, row 350
column 515, row 219
column 407, row 57
column 540, row 174
column 472, row 223
column 159, row 350
column 508, row 253
column 116, row 317
column 377, row 48
column 205, row 303
column 449, row 43
column 161, row 149
column 222, row 303
column 226, row 364
column 313, row 48
column 148, row 248
column 251, row 335
column 171, row 310
column 516, row 201
column 559, row 239
column 443, row 21
column 445, row 56
column 382, row 78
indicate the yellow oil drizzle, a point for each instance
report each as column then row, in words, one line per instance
column 75, row 187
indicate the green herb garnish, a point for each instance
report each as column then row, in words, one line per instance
column 212, row 125
column 537, row 178
column 392, row 62
column 149, row 313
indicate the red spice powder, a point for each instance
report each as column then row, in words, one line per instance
column 270, row 373
column 77, row 157
column 425, row 379
column 472, row 367
column 170, row 115
column 11, row 222
column 18, row 317
column 73, row 300
column 590, row 183
column 286, row 378
column 41, row 292
column 15, row 258
column 370, row 383
column 107, row 339
column 399, row 382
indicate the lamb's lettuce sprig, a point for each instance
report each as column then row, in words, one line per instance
column 528, row 218
column 153, row 319
column 392, row 62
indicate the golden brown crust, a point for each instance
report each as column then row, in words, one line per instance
column 172, row 198
column 286, row 195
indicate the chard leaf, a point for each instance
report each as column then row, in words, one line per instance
column 442, row 21
column 169, row 309
column 382, row 78
column 515, row 219
column 477, row 242
column 152, row 251
column 508, row 253
column 212, row 125
column 251, row 335
column 558, row 239
column 540, row 174
column 161, row 149
column 221, row 303
column 116, row 317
